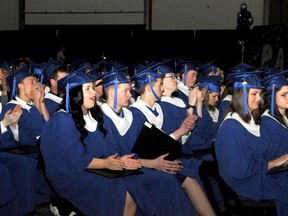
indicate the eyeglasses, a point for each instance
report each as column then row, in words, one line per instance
column 171, row 77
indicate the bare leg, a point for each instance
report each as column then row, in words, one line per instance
column 130, row 206
column 198, row 197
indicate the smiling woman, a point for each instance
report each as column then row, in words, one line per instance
column 244, row 153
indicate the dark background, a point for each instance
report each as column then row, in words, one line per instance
column 134, row 43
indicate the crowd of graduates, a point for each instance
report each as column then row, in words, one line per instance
column 68, row 118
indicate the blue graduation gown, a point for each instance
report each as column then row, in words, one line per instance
column 223, row 106
column 203, row 134
column 66, row 159
column 174, row 113
column 6, row 190
column 22, row 170
column 243, row 157
column 53, row 102
column 28, row 180
column 168, row 197
column 141, row 113
column 276, row 133
column 182, row 92
column 30, row 123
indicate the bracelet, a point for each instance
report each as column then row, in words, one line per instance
column 188, row 106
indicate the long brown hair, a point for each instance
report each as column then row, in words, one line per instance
column 237, row 106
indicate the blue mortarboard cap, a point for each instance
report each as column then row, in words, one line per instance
column 246, row 80
column 161, row 67
column 85, row 64
column 211, row 86
column 188, row 65
column 162, row 70
column 185, row 66
column 16, row 77
column 93, row 74
column 207, row 68
column 36, row 70
column 211, row 82
column 273, row 82
column 241, row 67
column 137, row 66
column 71, row 81
column 114, row 78
column 78, row 63
column 103, row 66
column 63, row 82
column 146, row 76
column 49, row 67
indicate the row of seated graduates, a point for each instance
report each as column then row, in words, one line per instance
column 201, row 152
column 201, row 141
column 24, row 116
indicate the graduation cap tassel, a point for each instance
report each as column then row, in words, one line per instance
column 272, row 100
column 41, row 79
column 185, row 72
column 13, row 93
column 152, row 89
column 115, row 94
column 245, row 97
column 67, row 99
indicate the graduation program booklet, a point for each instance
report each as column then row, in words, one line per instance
column 153, row 142
column 114, row 173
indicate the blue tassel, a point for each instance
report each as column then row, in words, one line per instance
column 272, row 100
column 185, row 72
column 41, row 79
column 152, row 89
column 245, row 98
column 13, row 93
column 67, row 99
column 115, row 94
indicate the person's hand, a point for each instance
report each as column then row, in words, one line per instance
column 113, row 162
column 201, row 94
column 192, row 97
column 130, row 163
column 38, row 92
column 278, row 161
column 188, row 124
column 12, row 117
column 167, row 166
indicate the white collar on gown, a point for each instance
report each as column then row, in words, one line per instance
column 250, row 127
column 152, row 119
column 121, row 123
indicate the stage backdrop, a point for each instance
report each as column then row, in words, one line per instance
column 268, row 45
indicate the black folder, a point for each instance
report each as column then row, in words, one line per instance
column 153, row 142
column 114, row 173
column 278, row 169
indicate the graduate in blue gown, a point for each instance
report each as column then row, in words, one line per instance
column 175, row 111
column 208, row 123
column 188, row 71
column 27, row 95
column 52, row 72
column 274, row 122
column 168, row 197
column 243, row 155
column 67, row 155
column 149, row 83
